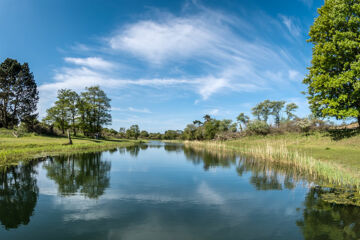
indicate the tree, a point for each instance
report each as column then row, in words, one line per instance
column 225, row 125
column 71, row 99
column 333, row 80
column 57, row 116
column 133, row 131
column 242, row 119
column 289, row 109
column 276, row 107
column 207, row 117
column 18, row 93
column 189, row 132
column 122, row 132
column 171, row 135
column 262, row 110
column 211, row 127
column 65, row 111
column 94, row 108
column 144, row 134
column 197, row 123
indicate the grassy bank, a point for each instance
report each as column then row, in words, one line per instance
column 14, row 150
column 337, row 162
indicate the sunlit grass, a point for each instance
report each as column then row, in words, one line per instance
column 337, row 162
column 13, row 150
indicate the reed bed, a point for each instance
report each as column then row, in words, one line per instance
column 277, row 152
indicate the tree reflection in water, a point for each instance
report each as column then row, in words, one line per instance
column 18, row 195
column 84, row 173
column 321, row 220
column 328, row 221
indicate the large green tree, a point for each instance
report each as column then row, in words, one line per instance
column 18, row 93
column 334, row 75
column 94, row 108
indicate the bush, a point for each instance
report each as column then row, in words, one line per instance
column 258, row 127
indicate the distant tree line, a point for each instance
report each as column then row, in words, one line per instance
column 283, row 115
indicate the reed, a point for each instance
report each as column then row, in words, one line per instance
column 278, row 152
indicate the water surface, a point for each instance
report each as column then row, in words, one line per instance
column 166, row 191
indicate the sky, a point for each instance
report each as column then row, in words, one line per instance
column 164, row 63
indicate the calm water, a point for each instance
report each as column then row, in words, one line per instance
column 159, row 191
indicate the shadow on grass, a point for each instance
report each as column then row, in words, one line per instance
column 338, row 134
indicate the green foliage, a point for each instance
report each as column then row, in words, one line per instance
column 259, row 127
column 172, row 135
column 333, row 79
column 189, row 132
column 289, row 109
column 133, row 132
column 262, row 110
column 242, row 119
column 276, row 107
column 144, row 134
column 94, row 109
column 90, row 111
column 18, row 93
column 211, row 127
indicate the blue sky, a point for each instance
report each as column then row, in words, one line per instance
column 164, row 63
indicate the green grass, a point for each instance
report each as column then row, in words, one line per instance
column 14, row 150
column 337, row 162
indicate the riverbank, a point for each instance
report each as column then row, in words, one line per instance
column 337, row 162
column 13, row 150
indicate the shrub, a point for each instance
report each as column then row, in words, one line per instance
column 258, row 127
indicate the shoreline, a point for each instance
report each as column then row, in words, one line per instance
column 280, row 150
column 16, row 150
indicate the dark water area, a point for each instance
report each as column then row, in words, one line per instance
column 166, row 191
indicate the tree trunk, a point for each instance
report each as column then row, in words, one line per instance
column 69, row 137
column 358, row 118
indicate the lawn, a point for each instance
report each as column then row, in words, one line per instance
column 13, row 150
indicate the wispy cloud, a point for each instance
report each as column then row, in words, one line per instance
column 213, row 53
column 144, row 110
column 92, row 62
column 291, row 25
column 308, row 3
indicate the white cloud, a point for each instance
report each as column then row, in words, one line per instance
column 214, row 112
column 228, row 54
column 294, row 75
column 145, row 110
column 157, row 42
column 92, row 62
column 290, row 24
column 209, row 195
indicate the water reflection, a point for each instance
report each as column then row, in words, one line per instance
column 322, row 220
column 86, row 173
column 127, row 201
column 209, row 159
column 18, row 195
column 133, row 150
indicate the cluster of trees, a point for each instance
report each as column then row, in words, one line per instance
column 18, row 94
column 134, row 132
column 210, row 127
column 88, row 111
